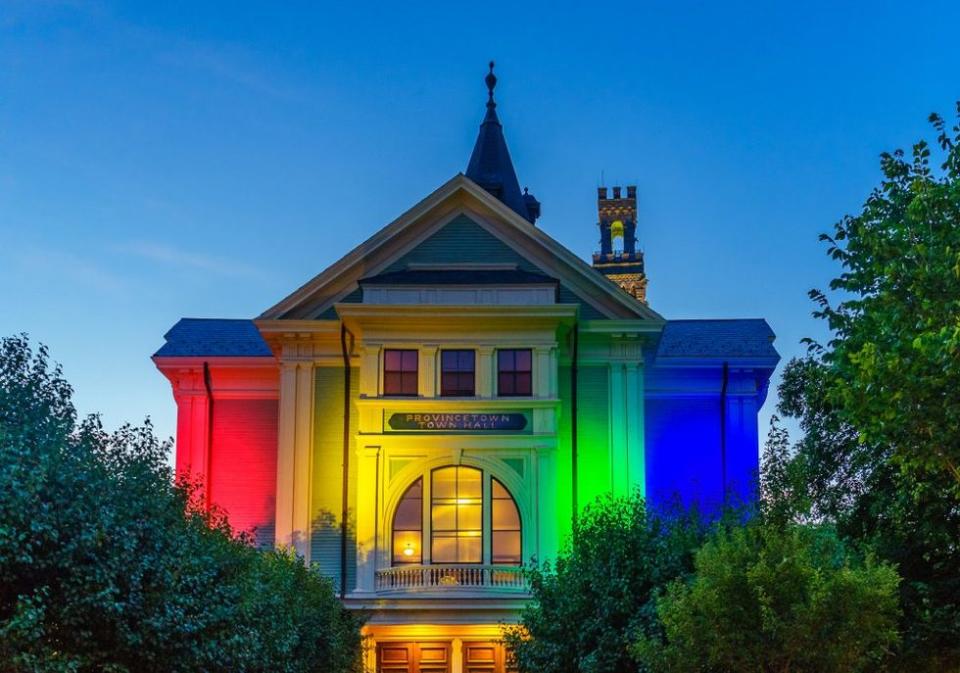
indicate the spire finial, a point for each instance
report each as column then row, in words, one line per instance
column 491, row 81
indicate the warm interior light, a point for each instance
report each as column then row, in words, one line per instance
column 408, row 550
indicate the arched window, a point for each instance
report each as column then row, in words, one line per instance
column 616, row 237
column 505, row 524
column 408, row 526
column 465, row 514
column 456, row 515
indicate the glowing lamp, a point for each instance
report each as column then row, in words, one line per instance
column 408, row 550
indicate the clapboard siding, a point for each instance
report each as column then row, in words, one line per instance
column 328, row 474
column 243, row 465
column 593, row 433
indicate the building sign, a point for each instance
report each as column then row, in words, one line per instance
column 458, row 422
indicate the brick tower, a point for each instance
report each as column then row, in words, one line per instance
column 618, row 259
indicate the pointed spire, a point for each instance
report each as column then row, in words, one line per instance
column 490, row 165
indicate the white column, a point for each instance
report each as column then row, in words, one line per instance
column 303, row 463
column 544, row 543
column 370, row 370
column 634, row 413
column 542, row 372
column 368, row 485
column 286, row 437
column 485, row 377
column 427, row 371
column 619, row 465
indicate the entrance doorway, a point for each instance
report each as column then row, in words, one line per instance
column 413, row 658
column 443, row 657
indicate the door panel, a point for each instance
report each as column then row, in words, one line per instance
column 486, row 657
column 413, row 657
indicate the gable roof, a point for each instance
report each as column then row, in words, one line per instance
column 459, row 195
column 213, row 337
column 717, row 339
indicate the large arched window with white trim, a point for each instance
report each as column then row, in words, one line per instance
column 457, row 515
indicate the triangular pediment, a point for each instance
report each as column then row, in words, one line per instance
column 460, row 224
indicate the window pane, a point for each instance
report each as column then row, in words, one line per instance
column 505, row 516
column 448, row 383
column 410, row 361
column 444, row 550
column 470, row 550
column 445, row 483
column 444, row 517
column 392, row 359
column 469, row 517
column 505, row 384
column 448, row 360
column 506, row 547
column 392, row 384
column 409, row 515
column 465, row 384
column 406, row 547
column 498, row 490
column 505, row 360
column 523, row 385
column 465, row 359
column 523, row 360
column 408, row 385
column 470, row 483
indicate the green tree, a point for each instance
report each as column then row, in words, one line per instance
column 878, row 404
column 767, row 598
column 914, row 523
column 892, row 368
column 105, row 566
column 601, row 590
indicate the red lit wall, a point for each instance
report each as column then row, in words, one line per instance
column 242, row 470
column 227, row 417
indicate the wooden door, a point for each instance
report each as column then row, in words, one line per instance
column 427, row 657
column 486, row 657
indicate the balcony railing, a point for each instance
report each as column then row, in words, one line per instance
column 452, row 577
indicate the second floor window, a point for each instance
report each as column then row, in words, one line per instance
column 400, row 372
column 457, row 373
column 514, row 373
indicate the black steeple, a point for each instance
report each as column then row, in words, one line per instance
column 490, row 165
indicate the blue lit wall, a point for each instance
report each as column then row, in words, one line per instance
column 686, row 415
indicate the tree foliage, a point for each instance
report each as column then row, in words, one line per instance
column 105, row 566
column 776, row 599
column 590, row 604
column 892, row 369
column 878, row 404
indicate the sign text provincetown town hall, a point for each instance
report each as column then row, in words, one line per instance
column 426, row 416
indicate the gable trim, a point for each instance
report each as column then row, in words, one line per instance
column 575, row 274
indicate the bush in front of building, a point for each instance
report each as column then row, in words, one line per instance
column 777, row 598
column 106, row 566
column 600, row 594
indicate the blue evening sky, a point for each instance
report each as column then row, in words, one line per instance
column 168, row 159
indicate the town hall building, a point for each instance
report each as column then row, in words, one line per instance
column 427, row 415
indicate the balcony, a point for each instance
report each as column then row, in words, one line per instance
column 440, row 579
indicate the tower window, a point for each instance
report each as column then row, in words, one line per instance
column 457, row 370
column 400, row 372
column 514, row 373
column 616, row 237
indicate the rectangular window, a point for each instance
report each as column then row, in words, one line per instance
column 515, row 373
column 457, row 373
column 400, row 372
